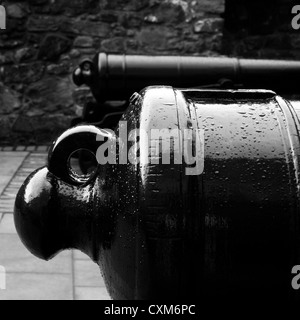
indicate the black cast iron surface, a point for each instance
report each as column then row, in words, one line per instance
column 157, row 233
column 115, row 77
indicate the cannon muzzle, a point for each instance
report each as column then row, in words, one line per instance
column 54, row 207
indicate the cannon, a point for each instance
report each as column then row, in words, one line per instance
column 199, row 199
column 115, row 77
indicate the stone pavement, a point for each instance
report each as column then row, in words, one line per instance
column 69, row 276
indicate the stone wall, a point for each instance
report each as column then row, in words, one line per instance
column 261, row 29
column 46, row 39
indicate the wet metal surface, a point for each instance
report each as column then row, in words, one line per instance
column 157, row 232
column 113, row 77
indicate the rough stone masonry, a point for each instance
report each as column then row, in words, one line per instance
column 46, row 39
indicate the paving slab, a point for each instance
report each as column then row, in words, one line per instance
column 78, row 255
column 16, row 258
column 87, row 273
column 10, row 193
column 31, row 148
column 6, row 206
column 42, row 148
column 91, row 294
column 10, row 162
column 30, row 286
column 7, row 225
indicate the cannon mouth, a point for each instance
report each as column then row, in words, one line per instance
column 82, row 165
column 87, row 138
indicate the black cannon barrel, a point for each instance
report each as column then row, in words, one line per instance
column 161, row 227
column 113, row 77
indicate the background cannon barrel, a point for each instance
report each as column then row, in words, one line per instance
column 115, row 77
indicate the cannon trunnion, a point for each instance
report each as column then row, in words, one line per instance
column 161, row 231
